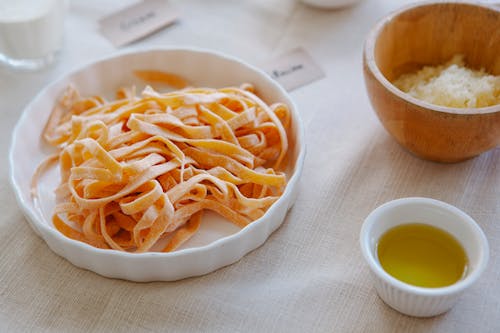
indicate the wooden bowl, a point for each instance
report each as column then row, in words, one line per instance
column 431, row 33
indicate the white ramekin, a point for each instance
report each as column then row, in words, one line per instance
column 406, row 298
column 329, row 4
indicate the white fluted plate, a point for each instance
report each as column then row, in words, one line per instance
column 218, row 242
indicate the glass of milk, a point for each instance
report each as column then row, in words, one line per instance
column 31, row 32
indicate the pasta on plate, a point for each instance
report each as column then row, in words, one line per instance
column 139, row 170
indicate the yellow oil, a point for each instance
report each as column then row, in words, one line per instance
column 422, row 255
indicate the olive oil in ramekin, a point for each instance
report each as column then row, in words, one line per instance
column 422, row 255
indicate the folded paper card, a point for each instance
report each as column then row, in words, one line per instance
column 137, row 21
column 294, row 69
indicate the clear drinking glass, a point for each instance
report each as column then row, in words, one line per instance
column 31, row 32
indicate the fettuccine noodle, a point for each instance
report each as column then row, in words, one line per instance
column 140, row 169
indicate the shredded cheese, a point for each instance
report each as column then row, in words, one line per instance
column 452, row 85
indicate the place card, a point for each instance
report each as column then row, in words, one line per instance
column 137, row 21
column 294, row 69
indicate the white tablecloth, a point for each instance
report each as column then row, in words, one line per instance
column 309, row 276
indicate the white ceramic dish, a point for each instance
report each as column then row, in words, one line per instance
column 218, row 243
column 409, row 299
column 330, row 4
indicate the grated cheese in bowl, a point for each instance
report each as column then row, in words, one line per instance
column 452, row 85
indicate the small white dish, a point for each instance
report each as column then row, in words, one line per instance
column 218, row 243
column 412, row 300
column 330, row 4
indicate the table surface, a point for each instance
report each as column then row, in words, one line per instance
column 309, row 276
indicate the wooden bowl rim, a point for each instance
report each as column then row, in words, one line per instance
column 369, row 57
